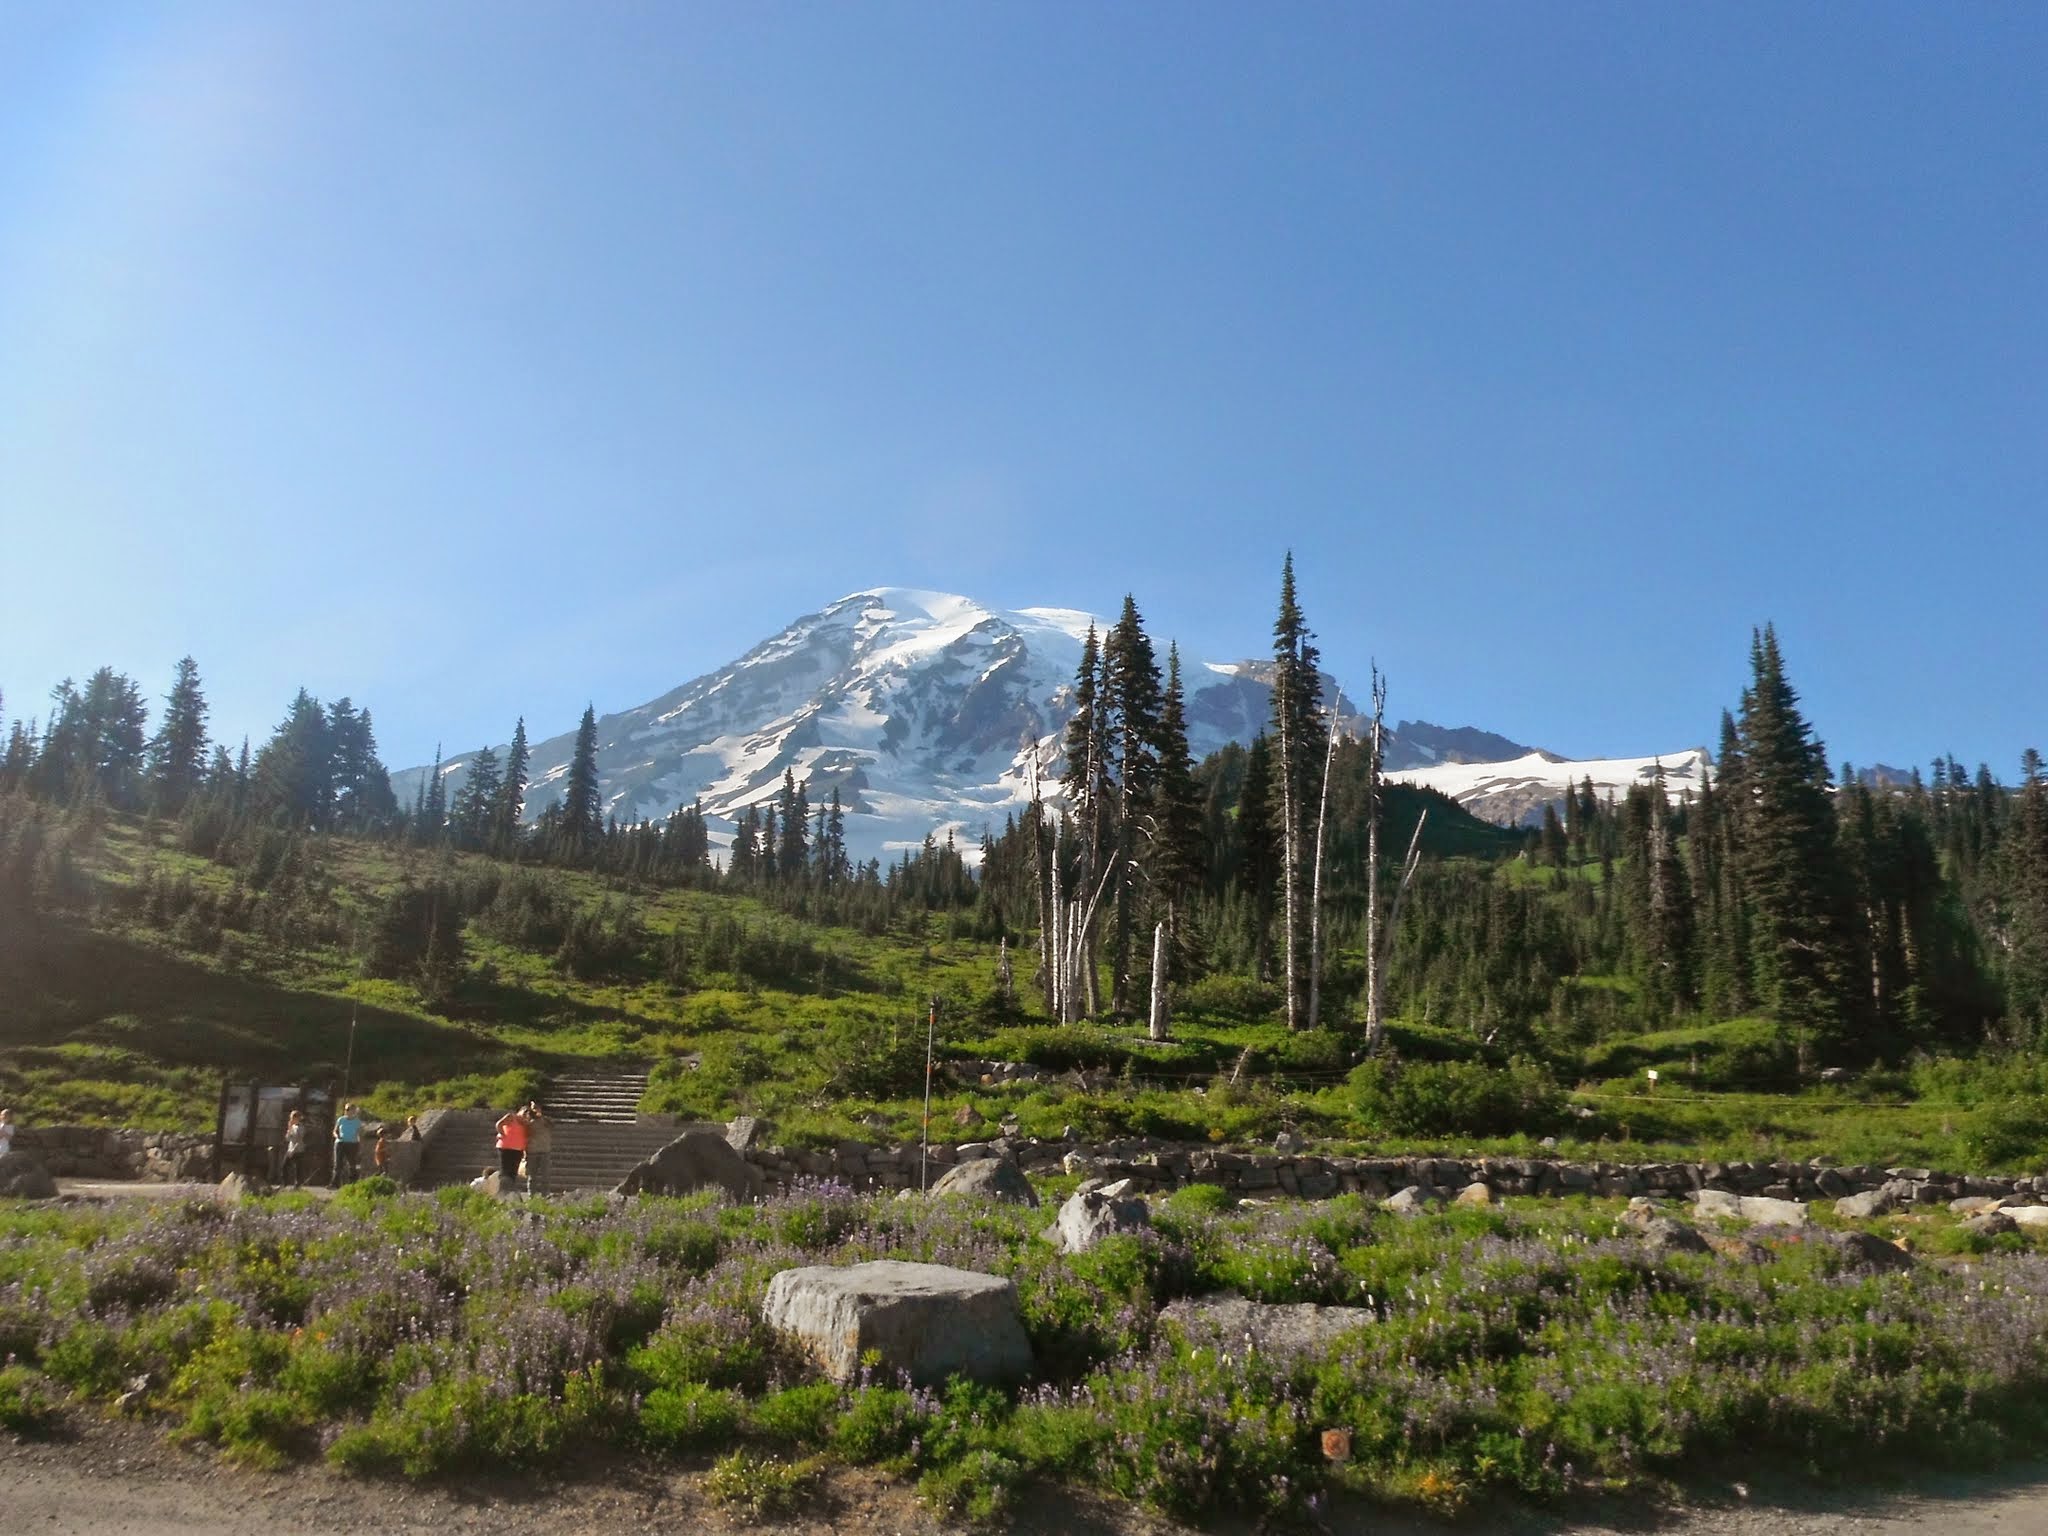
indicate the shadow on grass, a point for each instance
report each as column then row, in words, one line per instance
column 68, row 985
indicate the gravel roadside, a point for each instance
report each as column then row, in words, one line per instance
column 118, row 1479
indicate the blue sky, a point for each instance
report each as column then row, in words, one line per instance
column 478, row 360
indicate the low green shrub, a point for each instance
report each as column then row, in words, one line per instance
column 29, row 1403
column 979, row 1490
column 1456, row 1098
column 762, row 1486
column 798, row 1416
column 690, row 1417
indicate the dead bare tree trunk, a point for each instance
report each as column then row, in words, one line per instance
column 1315, row 899
column 1383, row 944
column 1158, row 1029
column 1379, row 937
column 1042, row 878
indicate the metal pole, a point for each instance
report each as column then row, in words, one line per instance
column 348, row 1065
column 931, row 1030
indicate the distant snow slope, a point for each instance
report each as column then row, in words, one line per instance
column 1516, row 791
column 922, row 710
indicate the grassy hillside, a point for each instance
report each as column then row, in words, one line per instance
column 160, row 972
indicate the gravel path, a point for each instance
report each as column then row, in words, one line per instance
column 113, row 1479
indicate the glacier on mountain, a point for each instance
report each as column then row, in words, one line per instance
column 923, row 709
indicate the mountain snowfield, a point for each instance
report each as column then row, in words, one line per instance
column 1515, row 792
column 923, row 710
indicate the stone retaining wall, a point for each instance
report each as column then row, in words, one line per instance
column 1162, row 1165
column 96, row 1152
column 1152, row 1164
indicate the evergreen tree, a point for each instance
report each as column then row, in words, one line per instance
column 1178, row 854
column 476, row 803
column 292, row 782
column 582, row 815
column 177, row 753
column 363, row 800
column 1790, row 867
column 1258, row 853
column 511, row 801
column 791, row 853
column 2026, row 904
column 433, row 825
column 1297, row 703
column 1131, row 704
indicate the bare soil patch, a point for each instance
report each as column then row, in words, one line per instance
column 110, row 1478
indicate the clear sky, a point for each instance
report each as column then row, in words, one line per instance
column 478, row 360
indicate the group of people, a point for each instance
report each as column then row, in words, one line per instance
column 526, row 1142
column 348, row 1134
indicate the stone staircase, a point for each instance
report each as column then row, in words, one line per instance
column 599, row 1134
column 612, row 1097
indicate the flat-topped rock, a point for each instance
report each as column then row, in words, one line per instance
column 1091, row 1215
column 1757, row 1210
column 926, row 1320
column 26, row 1178
column 694, row 1160
column 1294, row 1329
column 988, row 1178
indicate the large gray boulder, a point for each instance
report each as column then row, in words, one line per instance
column 1413, row 1200
column 1882, row 1201
column 926, row 1320
column 2028, row 1215
column 988, row 1178
column 1866, row 1250
column 26, row 1178
column 1756, row 1210
column 1091, row 1215
column 1289, row 1331
column 694, row 1160
column 1661, row 1233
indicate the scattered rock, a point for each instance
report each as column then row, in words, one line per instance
column 1866, row 1250
column 236, row 1188
column 1411, row 1200
column 692, row 1161
column 1088, row 1218
column 1869, row 1204
column 745, row 1132
column 26, row 1178
column 1970, row 1205
column 1989, row 1224
column 990, row 1178
column 927, row 1320
column 1287, row 1143
column 2028, row 1215
column 1757, row 1210
column 1740, row 1249
column 1662, row 1233
column 1294, row 1330
column 1475, row 1193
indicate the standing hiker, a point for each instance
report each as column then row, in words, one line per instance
column 511, row 1146
column 294, row 1165
column 540, row 1147
column 348, row 1147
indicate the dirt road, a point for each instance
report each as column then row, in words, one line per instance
column 124, row 1480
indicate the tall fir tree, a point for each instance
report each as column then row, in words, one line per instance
column 582, row 815
column 1131, row 702
column 511, row 801
column 177, row 753
column 1297, row 737
column 1790, row 867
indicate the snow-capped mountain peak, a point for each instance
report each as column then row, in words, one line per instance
column 922, row 709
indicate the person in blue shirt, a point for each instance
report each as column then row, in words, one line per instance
column 348, row 1146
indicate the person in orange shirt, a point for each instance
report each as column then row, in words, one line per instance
column 511, row 1146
